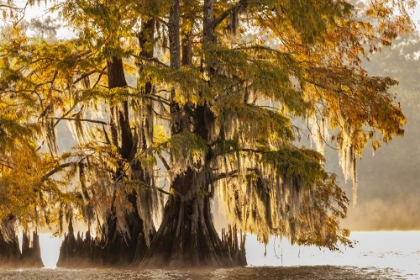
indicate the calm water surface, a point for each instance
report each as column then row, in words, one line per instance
column 254, row 273
column 378, row 255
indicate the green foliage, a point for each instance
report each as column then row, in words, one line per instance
column 226, row 147
column 297, row 163
column 184, row 146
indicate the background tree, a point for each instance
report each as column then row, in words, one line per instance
column 29, row 190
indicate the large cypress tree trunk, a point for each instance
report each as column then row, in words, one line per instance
column 115, row 247
column 121, row 247
column 187, row 237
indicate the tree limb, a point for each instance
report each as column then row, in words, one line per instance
column 234, row 172
column 90, row 73
column 164, row 161
column 55, row 170
column 225, row 14
column 83, row 120
column 163, row 191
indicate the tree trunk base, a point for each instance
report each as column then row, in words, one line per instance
column 188, row 239
column 11, row 256
column 31, row 253
column 9, row 251
column 110, row 251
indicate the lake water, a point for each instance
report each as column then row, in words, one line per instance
column 377, row 255
column 394, row 254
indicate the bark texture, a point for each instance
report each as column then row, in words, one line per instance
column 31, row 251
column 9, row 251
column 187, row 237
column 87, row 251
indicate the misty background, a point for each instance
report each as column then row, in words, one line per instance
column 388, row 196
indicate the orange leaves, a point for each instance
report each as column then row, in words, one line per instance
column 392, row 18
column 22, row 184
column 359, row 99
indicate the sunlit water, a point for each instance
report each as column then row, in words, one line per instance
column 396, row 253
column 378, row 255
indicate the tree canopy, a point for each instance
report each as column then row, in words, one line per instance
column 172, row 103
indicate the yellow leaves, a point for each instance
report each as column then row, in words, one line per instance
column 187, row 85
column 22, row 183
column 160, row 135
column 360, row 100
column 379, row 10
column 130, row 69
column 391, row 17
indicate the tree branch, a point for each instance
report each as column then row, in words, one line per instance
column 83, row 120
column 90, row 73
column 164, row 162
column 234, row 172
column 152, row 59
column 163, row 191
column 55, row 170
column 156, row 98
column 225, row 14
column 99, row 79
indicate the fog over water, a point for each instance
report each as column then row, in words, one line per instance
column 377, row 255
column 396, row 253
